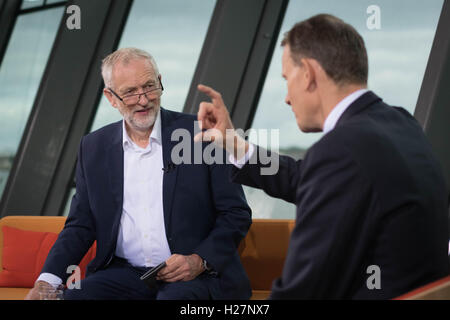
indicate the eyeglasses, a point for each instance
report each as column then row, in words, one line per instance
column 133, row 99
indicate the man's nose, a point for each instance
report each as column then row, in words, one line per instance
column 287, row 100
column 146, row 99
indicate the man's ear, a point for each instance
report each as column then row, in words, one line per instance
column 110, row 97
column 309, row 73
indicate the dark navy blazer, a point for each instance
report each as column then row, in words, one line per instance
column 204, row 212
column 370, row 194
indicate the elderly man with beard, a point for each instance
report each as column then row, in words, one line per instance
column 142, row 209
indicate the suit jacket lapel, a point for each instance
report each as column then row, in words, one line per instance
column 115, row 171
column 358, row 105
column 170, row 174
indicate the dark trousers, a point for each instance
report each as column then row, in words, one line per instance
column 120, row 281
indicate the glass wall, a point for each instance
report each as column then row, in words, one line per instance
column 20, row 74
column 28, row 4
column 398, row 36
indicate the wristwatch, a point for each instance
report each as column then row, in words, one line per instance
column 209, row 269
column 206, row 266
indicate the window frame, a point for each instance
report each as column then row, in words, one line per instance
column 9, row 10
column 433, row 104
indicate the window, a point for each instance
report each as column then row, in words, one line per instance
column 20, row 74
column 39, row 4
column 398, row 54
column 27, row 4
column 173, row 33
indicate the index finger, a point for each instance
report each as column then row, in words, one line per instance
column 166, row 270
column 213, row 94
column 171, row 263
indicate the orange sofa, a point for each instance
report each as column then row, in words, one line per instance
column 31, row 223
column 262, row 251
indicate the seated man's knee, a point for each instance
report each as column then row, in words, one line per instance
column 189, row 290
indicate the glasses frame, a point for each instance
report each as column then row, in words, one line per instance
column 137, row 94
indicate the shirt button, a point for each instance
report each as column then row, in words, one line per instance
column 145, row 236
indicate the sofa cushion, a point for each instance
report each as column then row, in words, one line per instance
column 24, row 253
column 264, row 250
column 13, row 293
column 260, row 294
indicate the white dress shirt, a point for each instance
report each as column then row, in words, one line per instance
column 329, row 124
column 339, row 109
column 142, row 235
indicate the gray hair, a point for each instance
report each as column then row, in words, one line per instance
column 124, row 55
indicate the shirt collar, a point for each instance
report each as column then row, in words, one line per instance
column 154, row 136
column 339, row 109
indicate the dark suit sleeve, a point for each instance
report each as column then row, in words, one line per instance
column 78, row 234
column 334, row 194
column 233, row 219
column 281, row 185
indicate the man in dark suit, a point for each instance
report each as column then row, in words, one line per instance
column 370, row 195
column 142, row 209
